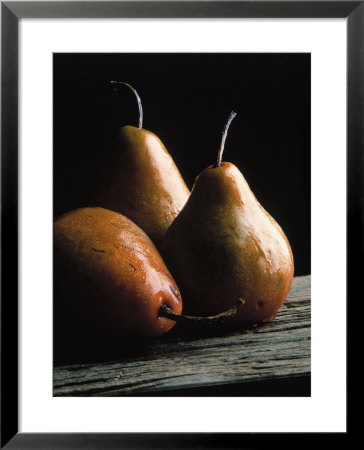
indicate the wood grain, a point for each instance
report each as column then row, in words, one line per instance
column 277, row 350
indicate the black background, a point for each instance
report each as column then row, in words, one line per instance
column 186, row 100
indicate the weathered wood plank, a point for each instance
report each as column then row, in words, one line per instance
column 279, row 349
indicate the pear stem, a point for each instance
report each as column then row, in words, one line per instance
column 224, row 134
column 140, row 125
column 165, row 311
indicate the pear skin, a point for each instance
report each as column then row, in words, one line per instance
column 141, row 181
column 109, row 282
column 223, row 246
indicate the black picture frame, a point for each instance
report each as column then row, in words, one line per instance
column 11, row 13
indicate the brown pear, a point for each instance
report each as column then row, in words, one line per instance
column 224, row 245
column 109, row 282
column 140, row 180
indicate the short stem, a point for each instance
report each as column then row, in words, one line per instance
column 224, row 134
column 137, row 97
column 165, row 311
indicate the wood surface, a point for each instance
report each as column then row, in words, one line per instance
column 277, row 350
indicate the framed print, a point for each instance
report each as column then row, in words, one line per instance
column 72, row 74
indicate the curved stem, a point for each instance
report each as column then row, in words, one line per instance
column 224, row 134
column 165, row 311
column 137, row 97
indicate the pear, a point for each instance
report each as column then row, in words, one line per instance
column 224, row 245
column 112, row 290
column 140, row 179
column 109, row 283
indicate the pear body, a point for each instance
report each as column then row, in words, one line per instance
column 223, row 246
column 109, row 282
column 141, row 181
